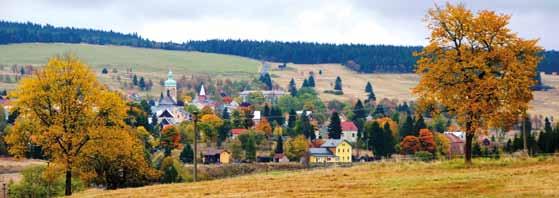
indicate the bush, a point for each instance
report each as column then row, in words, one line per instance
column 335, row 92
column 39, row 181
column 424, row 156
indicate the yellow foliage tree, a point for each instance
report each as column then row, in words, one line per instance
column 296, row 147
column 393, row 125
column 69, row 107
column 278, row 131
column 209, row 124
column 477, row 68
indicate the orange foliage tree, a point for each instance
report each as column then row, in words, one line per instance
column 410, row 145
column 427, row 141
column 477, row 68
column 264, row 127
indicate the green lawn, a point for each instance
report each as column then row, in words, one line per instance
column 139, row 59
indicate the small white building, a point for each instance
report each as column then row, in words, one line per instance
column 349, row 131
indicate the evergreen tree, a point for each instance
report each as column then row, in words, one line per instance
column 292, row 87
column 338, row 84
column 375, row 138
column 306, row 127
column 389, row 141
column 135, row 80
column 105, row 71
column 419, row 124
column 225, row 128
column 291, row 119
column 359, row 111
column 379, row 111
column 407, row 128
column 311, row 81
column 368, row 87
column 142, row 83
column 266, row 112
column 305, row 83
column 335, row 126
column 187, row 154
column 371, row 97
column 279, row 145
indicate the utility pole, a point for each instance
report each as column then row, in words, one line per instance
column 195, row 170
column 524, row 134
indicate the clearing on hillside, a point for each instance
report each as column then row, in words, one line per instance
column 121, row 57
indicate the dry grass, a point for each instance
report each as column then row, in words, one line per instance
column 10, row 168
column 385, row 85
column 392, row 86
column 487, row 178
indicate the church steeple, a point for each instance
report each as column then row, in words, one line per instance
column 171, row 86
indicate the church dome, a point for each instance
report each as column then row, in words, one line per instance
column 170, row 82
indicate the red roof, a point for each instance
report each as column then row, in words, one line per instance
column 348, row 126
column 237, row 131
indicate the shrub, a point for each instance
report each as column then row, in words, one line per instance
column 40, row 181
column 335, row 92
column 423, row 156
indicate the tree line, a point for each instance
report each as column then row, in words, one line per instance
column 359, row 57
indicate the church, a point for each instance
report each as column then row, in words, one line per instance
column 166, row 109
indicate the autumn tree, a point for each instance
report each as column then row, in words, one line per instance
column 477, row 68
column 68, row 107
column 264, row 127
column 410, row 145
column 296, row 147
column 427, row 141
column 209, row 124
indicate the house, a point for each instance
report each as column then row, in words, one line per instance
column 237, row 132
column 332, row 151
column 456, row 145
column 256, row 116
column 349, row 131
column 216, row 156
column 225, row 157
column 281, row 158
column 271, row 96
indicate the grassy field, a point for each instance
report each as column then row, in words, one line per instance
column 392, row 86
column 486, row 178
column 139, row 59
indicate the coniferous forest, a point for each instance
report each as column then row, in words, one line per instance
column 358, row 57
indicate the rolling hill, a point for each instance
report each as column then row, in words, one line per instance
column 121, row 57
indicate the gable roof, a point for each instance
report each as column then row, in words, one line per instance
column 238, row 131
column 166, row 114
column 166, row 100
column 320, row 152
column 331, row 143
column 348, row 126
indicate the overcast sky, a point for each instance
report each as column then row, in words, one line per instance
column 352, row 21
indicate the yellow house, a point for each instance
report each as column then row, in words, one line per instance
column 332, row 151
column 225, row 157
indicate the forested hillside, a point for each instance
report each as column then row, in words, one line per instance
column 359, row 57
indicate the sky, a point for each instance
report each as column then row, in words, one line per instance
column 396, row 22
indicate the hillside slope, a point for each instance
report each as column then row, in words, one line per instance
column 487, row 178
column 120, row 57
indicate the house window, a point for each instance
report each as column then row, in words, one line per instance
column 353, row 135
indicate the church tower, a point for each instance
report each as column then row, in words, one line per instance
column 171, row 86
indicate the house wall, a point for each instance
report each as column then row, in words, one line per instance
column 225, row 158
column 350, row 136
column 343, row 152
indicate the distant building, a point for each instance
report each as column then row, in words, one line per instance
column 456, row 145
column 332, row 151
column 237, row 132
column 270, row 96
column 349, row 131
column 166, row 109
column 216, row 156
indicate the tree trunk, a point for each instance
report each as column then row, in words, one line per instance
column 468, row 148
column 68, row 182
